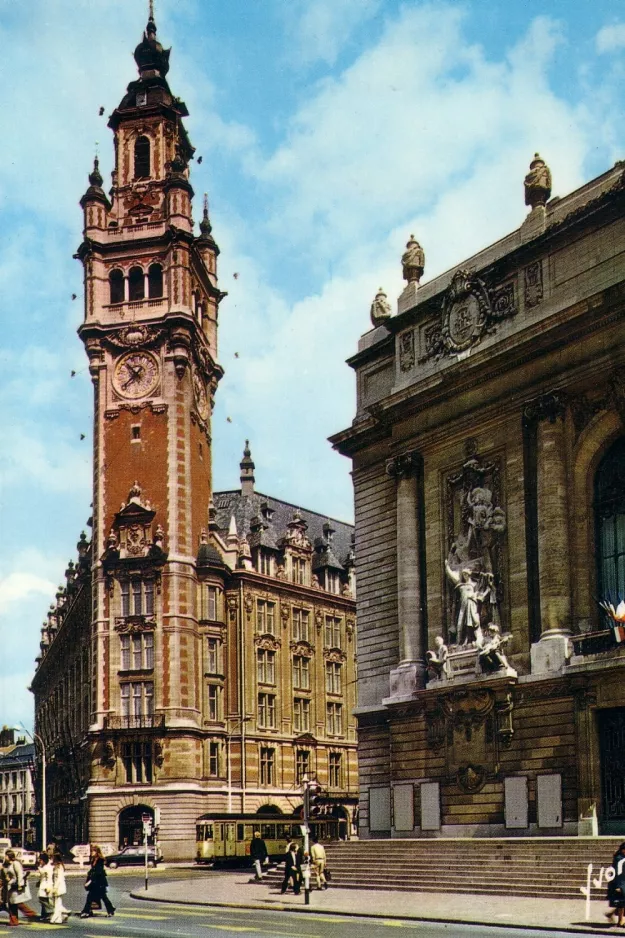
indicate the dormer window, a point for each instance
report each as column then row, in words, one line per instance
column 137, row 598
column 264, row 562
column 298, row 566
column 142, row 158
column 332, row 581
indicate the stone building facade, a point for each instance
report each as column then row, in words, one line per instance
column 18, row 809
column 488, row 455
column 200, row 656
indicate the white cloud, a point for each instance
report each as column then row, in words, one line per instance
column 17, row 586
column 319, row 29
column 610, row 38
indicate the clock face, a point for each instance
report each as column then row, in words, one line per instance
column 199, row 391
column 136, row 374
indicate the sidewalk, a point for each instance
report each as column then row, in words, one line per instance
column 235, row 890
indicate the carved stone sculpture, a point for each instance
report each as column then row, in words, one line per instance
column 380, row 308
column 490, row 655
column 438, row 660
column 413, row 261
column 537, row 183
column 468, row 619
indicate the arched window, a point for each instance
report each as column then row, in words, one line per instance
column 155, row 281
column 136, row 287
column 142, row 158
column 610, row 523
column 116, row 285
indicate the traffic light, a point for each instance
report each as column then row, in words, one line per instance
column 313, row 792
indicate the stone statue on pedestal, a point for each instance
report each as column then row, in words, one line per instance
column 490, row 655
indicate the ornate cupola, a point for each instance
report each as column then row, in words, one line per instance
column 247, row 471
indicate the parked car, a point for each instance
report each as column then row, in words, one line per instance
column 27, row 858
column 133, row 856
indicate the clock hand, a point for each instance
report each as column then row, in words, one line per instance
column 137, row 374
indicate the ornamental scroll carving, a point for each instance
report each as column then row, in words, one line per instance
column 267, row 642
column 470, row 309
column 303, row 649
column 334, row 655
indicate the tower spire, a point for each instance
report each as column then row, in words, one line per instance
column 247, row 471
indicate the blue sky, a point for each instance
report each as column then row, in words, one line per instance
column 329, row 130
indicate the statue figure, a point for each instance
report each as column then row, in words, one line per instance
column 380, row 308
column 490, row 654
column 468, row 621
column 413, row 261
column 438, row 662
column 537, row 183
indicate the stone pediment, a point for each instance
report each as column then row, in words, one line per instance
column 305, row 739
column 334, row 654
column 302, row 648
column 266, row 641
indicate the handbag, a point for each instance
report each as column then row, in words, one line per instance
column 327, row 874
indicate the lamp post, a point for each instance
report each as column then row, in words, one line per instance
column 37, row 738
column 229, row 734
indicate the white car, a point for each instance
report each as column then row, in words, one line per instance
column 27, row 858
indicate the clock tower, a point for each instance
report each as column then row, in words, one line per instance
column 150, row 333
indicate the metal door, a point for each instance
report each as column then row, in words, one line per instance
column 612, row 750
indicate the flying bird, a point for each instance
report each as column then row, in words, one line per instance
column 101, row 111
column 236, row 354
column 199, row 160
column 236, row 276
column 73, row 296
column 82, row 436
column 229, row 419
column 73, row 374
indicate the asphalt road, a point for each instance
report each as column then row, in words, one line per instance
column 145, row 919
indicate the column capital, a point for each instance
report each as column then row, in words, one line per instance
column 404, row 465
column 550, row 405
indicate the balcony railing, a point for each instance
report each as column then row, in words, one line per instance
column 150, row 721
column 593, row 643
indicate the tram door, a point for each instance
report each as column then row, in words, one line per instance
column 230, row 838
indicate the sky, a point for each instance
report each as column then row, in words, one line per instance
column 329, row 131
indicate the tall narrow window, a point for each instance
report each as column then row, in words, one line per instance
column 212, row 656
column 266, row 665
column 267, row 759
column 155, row 281
column 116, row 286
column 332, row 632
column 213, row 759
column 301, row 623
column 136, row 284
column 137, row 759
column 610, row 523
column 265, row 617
column 333, row 677
column 214, row 695
column 142, row 158
column 301, row 672
column 267, row 711
column 301, row 715
column 334, row 721
column 302, row 765
column 335, row 770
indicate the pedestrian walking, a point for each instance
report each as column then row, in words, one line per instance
column 616, row 888
column 44, row 864
column 18, row 892
column 96, row 884
column 259, row 855
column 59, row 888
column 318, row 855
column 292, row 869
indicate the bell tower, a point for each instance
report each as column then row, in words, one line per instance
column 150, row 333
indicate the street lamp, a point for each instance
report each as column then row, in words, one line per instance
column 229, row 734
column 37, row 738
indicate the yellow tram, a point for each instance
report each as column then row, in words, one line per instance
column 227, row 837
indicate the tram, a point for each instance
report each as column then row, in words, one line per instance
column 227, row 837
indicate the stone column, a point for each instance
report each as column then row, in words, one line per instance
column 410, row 673
column 554, row 576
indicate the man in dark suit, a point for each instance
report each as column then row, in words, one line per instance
column 292, row 869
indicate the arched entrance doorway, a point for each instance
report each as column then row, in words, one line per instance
column 269, row 809
column 131, row 824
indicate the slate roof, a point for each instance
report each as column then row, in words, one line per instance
column 246, row 507
column 22, row 754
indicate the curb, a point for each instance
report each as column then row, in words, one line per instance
column 308, row 910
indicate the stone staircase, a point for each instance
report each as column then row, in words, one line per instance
column 539, row 867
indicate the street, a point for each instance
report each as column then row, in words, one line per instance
column 135, row 917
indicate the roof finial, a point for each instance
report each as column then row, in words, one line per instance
column 205, row 225
column 247, row 471
column 151, row 27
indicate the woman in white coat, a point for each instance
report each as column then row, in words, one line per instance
column 59, row 913
column 45, row 886
column 18, row 891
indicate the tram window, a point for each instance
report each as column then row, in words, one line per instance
column 240, row 832
column 208, row 832
column 249, row 831
column 268, row 831
column 219, row 832
column 283, row 831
